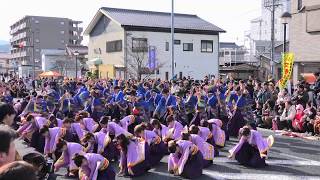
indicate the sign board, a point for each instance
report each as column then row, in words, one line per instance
column 152, row 58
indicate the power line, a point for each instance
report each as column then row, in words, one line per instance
column 272, row 5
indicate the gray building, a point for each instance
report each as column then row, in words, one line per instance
column 230, row 53
column 34, row 33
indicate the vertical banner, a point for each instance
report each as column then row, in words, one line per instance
column 152, row 58
column 287, row 66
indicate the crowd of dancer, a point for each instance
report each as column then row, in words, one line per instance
column 89, row 126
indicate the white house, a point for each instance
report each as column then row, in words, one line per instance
column 119, row 39
column 57, row 60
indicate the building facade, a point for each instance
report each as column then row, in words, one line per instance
column 230, row 53
column 305, row 37
column 260, row 28
column 123, row 43
column 35, row 33
column 5, row 63
column 65, row 61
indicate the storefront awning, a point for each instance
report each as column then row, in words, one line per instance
column 119, row 66
column 94, row 62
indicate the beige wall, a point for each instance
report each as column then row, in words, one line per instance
column 305, row 46
column 113, row 32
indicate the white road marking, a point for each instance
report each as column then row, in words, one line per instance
column 291, row 162
column 253, row 176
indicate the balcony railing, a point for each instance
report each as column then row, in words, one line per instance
column 20, row 27
column 18, row 37
column 19, row 54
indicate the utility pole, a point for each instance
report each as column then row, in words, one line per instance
column 172, row 39
column 272, row 5
column 33, row 60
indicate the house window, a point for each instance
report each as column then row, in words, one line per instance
column 37, row 40
column 36, row 21
column 313, row 25
column 299, row 4
column 167, row 46
column 62, row 32
column 177, row 42
column 187, row 47
column 114, row 46
column 207, row 46
column 139, row 45
column 62, row 23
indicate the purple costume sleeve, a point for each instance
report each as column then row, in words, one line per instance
column 24, row 128
column 164, row 131
column 173, row 161
column 100, row 139
column 237, row 147
column 185, row 147
column 205, row 148
column 218, row 135
column 72, row 149
column 89, row 124
column 60, row 122
column 177, row 130
column 40, row 122
column 204, row 133
column 51, row 141
column 93, row 160
column 261, row 143
column 114, row 128
column 150, row 136
column 76, row 127
column 126, row 121
column 136, row 153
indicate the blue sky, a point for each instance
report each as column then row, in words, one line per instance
column 232, row 15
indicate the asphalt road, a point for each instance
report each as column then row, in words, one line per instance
column 289, row 159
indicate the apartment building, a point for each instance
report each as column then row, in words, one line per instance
column 305, row 37
column 34, row 33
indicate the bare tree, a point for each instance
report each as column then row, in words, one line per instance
column 137, row 58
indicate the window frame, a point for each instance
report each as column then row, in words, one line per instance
column 299, row 5
column 113, row 46
column 167, row 46
column 207, row 42
column 139, row 48
column 177, row 42
column 187, row 45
